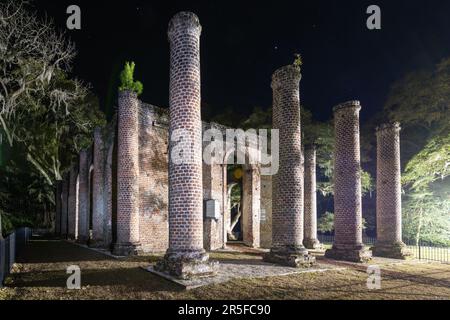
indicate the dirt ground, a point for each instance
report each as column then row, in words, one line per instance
column 41, row 274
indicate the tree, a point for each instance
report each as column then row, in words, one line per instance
column 39, row 103
column 326, row 223
column 31, row 52
column 425, row 150
column 127, row 79
column 45, row 116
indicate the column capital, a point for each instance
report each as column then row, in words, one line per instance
column 352, row 104
column 184, row 22
column 127, row 94
column 286, row 74
column 388, row 127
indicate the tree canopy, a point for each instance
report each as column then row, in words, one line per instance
column 46, row 115
column 421, row 103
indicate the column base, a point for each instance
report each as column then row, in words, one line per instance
column 187, row 264
column 312, row 244
column 291, row 256
column 357, row 253
column 393, row 250
column 126, row 249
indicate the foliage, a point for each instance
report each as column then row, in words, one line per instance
column 430, row 164
column 127, row 79
column 425, row 151
column 31, row 53
column 426, row 218
column 298, row 61
column 46, row 116
column 325, row 223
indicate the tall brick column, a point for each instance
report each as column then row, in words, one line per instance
column 128, row 175
column 185, row 257
column 287, row 200
column 99, row 237
column 83, row 197
column 72, row 212
column 389, row 200
column 348, row 243
column 58, row 207
column 310, row 198
column 64, row 205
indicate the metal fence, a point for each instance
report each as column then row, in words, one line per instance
column 9, row 247
column 421, row 250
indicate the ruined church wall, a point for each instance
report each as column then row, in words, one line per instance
column 153, row 179
column 154, row 188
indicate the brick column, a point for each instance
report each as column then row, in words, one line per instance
column 185, row 257
column 251, row 205
column 58, row 207
column 287, row 194
column 310, row 198
column 389, row 200
column 72, row 212
column 348, row 243
column 128, row 175
column 83, row 197
column 64, row 205
column 99, row 238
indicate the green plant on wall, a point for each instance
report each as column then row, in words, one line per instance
column 127, row 79
column 298, row 60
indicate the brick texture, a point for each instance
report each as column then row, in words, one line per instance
column 153, row 179
column 127, row 175
column 287, row 184
column 347, row 189
column 185, row 257
column 389, row 201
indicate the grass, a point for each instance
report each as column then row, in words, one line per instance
column 41, row 274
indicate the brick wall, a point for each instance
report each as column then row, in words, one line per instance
column 153, row 178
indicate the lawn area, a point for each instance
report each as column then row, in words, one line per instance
column 41, row 274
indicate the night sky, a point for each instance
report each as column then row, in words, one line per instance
column 242, row 43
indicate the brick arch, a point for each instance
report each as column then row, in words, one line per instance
column 250, row 199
